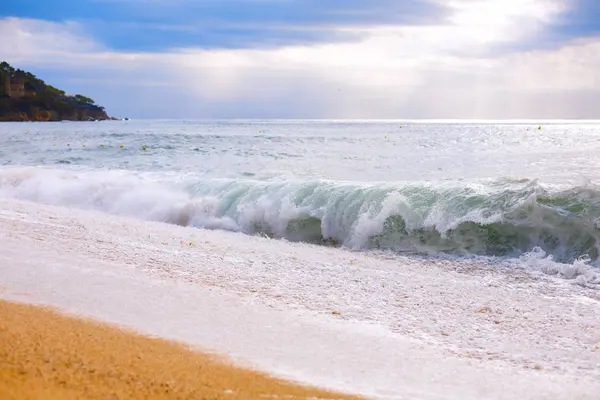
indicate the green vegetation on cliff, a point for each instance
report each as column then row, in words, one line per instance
column 24, row 97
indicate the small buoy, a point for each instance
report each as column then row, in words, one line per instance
column 54, row 145
column 385, row 137
column 539, row 128
column 400, row 126
column 101, row 145
column 83, row 145
column 68, row 145
column 143, row 147
column 121, row 146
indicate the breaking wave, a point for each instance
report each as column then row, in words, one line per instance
column 507, row 218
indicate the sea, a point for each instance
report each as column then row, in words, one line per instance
column 500, row 191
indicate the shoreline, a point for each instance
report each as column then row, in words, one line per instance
column 345, row 321
column 49, row 355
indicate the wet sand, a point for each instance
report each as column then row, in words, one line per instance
column 45, row 355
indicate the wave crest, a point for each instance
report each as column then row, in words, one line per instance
column 502, row 218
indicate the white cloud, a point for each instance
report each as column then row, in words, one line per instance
column 569, row 68
column 27, row 40
column 448, row 70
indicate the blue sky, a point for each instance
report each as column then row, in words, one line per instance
column 311, row 58
column 155, row 25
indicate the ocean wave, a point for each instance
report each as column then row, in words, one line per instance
column 505, row 218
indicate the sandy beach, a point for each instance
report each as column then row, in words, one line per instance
column 45, row 355
column 366, row 324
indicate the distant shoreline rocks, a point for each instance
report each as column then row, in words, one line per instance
column 26, row 98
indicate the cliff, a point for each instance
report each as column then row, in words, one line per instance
column 24, row 97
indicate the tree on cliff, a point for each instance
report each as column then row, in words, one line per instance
column 6, row 68
column 84, row 99
column 25, row 97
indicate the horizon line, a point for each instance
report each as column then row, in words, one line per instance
column 406, row 120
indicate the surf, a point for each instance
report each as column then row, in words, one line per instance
column 500, row 218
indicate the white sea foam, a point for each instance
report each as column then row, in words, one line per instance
column 403, row 327
column 503, row 218
column 580, row 270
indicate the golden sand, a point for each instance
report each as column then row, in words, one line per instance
column 44, row 355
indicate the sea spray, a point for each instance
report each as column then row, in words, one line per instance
column 505, row 218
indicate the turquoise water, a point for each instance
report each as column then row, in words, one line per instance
column 424, row 188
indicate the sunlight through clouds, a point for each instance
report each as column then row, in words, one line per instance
column 461, row 65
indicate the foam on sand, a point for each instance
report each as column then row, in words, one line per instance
column 388, row 327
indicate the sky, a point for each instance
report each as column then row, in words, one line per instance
column 404, row 59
